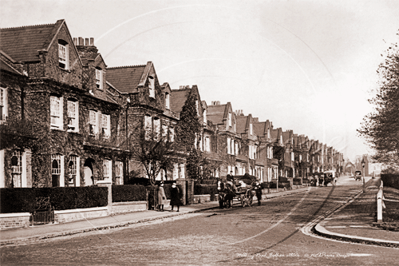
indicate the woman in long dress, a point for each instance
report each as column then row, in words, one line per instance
column 161, row 197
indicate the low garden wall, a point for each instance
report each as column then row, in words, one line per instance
column 204, row 198
column 126, row 207
column 14, row 220
column 66, row 216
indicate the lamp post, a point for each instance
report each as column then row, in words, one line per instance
column 364, row 184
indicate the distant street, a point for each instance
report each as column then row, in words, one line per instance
column 270, row 233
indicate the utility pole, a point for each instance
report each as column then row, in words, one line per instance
column 364, row 183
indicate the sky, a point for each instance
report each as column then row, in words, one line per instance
column 307, row 66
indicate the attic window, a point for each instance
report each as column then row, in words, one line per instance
column 99, row 78
column 151, row 86
column 167, row 101
column 63, row 54
column 250, row 129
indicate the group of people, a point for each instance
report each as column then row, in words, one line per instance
column 175, row 197
column 241, row 187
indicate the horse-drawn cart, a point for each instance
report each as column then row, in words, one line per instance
column 228, row 192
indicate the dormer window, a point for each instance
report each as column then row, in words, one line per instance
column 204, row 117
column 99, row 78
column 230, row 120
column 63, row 54
column 250, row 129
column 151, row 86
column 167, row 101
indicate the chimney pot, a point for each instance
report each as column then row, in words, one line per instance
column 91, row 41
column 75, row 41
column 81, row 41
column 87, row 42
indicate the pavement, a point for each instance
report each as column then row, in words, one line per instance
column 343, row 223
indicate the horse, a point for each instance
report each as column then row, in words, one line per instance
column 226, row 195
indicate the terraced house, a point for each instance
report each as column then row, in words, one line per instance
column 67, row 119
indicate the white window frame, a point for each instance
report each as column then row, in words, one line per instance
column 73, row 115
column 230, row 119
column 119, row 173
column 93, row 123
column 205, row 120
column 107, row 169
column 151, row 86
column 56, row 112
column 73, row 170
column 251, row 129
column 207, row 144
column 165, row 130
column 171, row 134
column 60, row 170
column 147, row 127
column 3, row 105
column 236, row 148
column 228, row 145
column 157, row 128
column 99, row 78
column 63, row 56
column 167, row 100
column 106, row 125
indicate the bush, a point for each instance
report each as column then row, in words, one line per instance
column 17, row 200
column 265, row 185
column 280, row 185
column 123, row 193
column 207, row 181
column 297, row 181
column 205, row 189
column 61, row 198
column 139, row 181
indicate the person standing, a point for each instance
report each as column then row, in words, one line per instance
column 161, row 197
column 175, row 196
column 258, row 191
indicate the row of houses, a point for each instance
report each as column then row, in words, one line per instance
column 67, row 119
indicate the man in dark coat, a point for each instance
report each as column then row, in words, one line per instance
column 258, row 190
column 175, row 196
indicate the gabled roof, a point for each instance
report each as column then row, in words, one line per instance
column 127, row 78
column 260, row 128
column 275, row 134
column 7, row 66
column 24, row 43
column 216, row 113
column 287, row 135
column 242, row 123
column 178, row 99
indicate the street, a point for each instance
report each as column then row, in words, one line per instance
column 267, row 234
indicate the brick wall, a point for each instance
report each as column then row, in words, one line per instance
column 14, row 220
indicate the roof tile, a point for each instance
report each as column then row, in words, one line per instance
column 23, row 43
column 125, row 79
